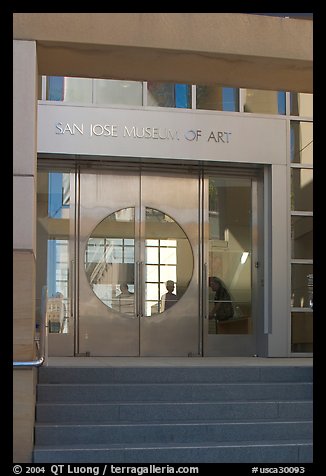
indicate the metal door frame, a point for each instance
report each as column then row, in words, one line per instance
column 202, row 171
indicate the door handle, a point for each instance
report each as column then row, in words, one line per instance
column 139, row 274
column 140, row 289
column 205, row 291
column 137, row 289
column 72, row 287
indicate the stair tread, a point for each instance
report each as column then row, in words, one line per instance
column 172, row 403
column 183, row 384
column 171, row 422
column 174, row 445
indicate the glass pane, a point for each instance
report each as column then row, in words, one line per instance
column 301, row 104
column 160, row 94
column 302, row 285
column 168, row 272
column 169, row 243
column 152, row 273
column 39, row 87
column 229, row 264
column 182, row 95
column 302, row 190
column 264, row 102
column 168, row 94
column 302, row 332
column 151, row 242
column 69, row 89
column 53, row 253
column 152, row 255
column 301, row 142
column 301, row 237
column 175, row 262
column 107, row 91
column 168, row 255
column 217, row 98
column 152, row 292
column 55, row 88
column 65, row 189
column 109, row 261
column 78, row 90
column 128, row 256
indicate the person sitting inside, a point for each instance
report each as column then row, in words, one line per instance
column 223, row 307
column 169, row 298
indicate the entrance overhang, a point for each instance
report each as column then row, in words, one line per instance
column 208, row 48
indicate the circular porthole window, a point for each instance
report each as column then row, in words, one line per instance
column 163, row 255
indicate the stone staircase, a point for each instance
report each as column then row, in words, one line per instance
column 168, row 414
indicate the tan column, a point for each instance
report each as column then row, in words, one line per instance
column 24, row 243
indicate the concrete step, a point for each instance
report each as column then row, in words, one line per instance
column 176, row 411
column 185, row 432
column 166, row 374
column 171, row 392
column 295, row 451
column 173, row 415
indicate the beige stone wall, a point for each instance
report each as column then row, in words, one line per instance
column 24, row 243
column 23, row 305
column 23, row 414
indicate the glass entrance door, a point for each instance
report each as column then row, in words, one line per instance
column 141, row 263
column 230, row 265
column 137, row 273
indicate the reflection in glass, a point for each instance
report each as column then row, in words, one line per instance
column 78, row 90
column 301, row 104
column 301, row 189
column 168, row 262
column 302, row 331
column 69, row 89
column 109, row 261
column 301, row 237
column 222, row 308
column 217, row 98
column 94, row 91
column 57, row 314
column 53, row 271
column 109, row 91
column 55, row 88
column 301, row 290
column 230, row 254
column 169, row 298
column 124, row 301
column 168, row 94
column 264, row 102
column 152, row 254
column 301, row 138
